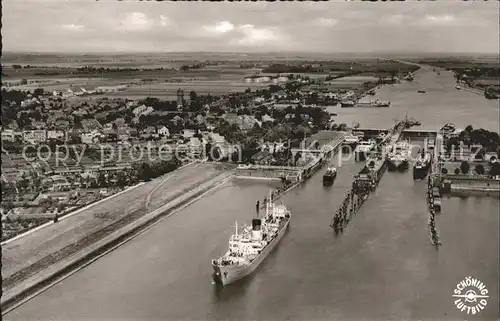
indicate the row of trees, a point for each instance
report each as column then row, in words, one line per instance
column 489, row 140
column 479, row 169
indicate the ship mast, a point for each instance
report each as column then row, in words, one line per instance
column 236, row 228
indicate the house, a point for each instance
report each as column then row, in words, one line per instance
column 56, row 134
column 259, row 100
column 61, row 124
column 142, row 110
column 120, row 122
column 258, row 79
column 38, row 124
column 108, row 126
column 149, row 130
column 188, row 133
column 8, row 135
column 35, row 136
column 217, row 138
column 91, row 137
column 231, row 118
column 111, row 89
column 90, row 124
column 163, row 131
column 200, row 120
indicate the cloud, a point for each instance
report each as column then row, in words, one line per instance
column 255, row 36
column 327, row 22
column 442, row 19
column 220, row 27
column 73, row 27
column 136, row 21
column 164, row 21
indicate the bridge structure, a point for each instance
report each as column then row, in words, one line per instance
column 424, row 133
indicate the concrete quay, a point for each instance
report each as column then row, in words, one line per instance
column 290, row 173
column 410, row 133
column 37, row 260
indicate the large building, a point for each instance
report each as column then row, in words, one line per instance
column 180, row 98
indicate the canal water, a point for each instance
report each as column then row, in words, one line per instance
column 440, row 103
column 382, row 267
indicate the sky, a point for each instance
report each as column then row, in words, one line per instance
column 445, row 26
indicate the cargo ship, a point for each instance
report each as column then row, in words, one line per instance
column 329, row 177
column 399, row 156
column 378, row 103
column 421, row 166
column 250, row 247
column 347, row 104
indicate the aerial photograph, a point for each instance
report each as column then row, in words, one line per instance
column 178, row 161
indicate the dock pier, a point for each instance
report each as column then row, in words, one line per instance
column 366, row 180
column 300, row 174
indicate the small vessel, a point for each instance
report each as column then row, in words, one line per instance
column 329, row 177
column 379, row 103
column 363, row 149
column 371, row 92
column 457, row 87
column 399, row 156
column 421, row 91
column 250, row 247
column 347, row 103
column 422, row 165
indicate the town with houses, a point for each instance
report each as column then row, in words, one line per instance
column 61, row 152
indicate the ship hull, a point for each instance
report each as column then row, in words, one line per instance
column 360, row 156
column 397, row 165
column 328, row 180
column 420, row 172
column 225, row 275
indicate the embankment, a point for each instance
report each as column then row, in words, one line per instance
column 89, row 249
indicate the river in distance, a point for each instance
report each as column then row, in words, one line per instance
column 382, row 267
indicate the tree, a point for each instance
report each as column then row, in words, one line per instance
column 38, row 92
column 145, row 172
column 193, row 95
column 495, row 169
column 479, row 169
column 464, row 167
column 457, row 171
column 444, row 171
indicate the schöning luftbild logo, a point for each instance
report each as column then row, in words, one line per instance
column 471, row 295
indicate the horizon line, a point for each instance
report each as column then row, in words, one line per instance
column 250, row 52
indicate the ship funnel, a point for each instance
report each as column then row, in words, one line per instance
column 256, row 229
column 256, row 224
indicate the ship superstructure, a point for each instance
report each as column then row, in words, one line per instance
column 399, row 156
column 363, row 149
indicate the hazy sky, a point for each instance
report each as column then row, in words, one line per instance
column 109, row 26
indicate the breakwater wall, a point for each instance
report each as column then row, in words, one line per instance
column 365, row 181
column 470, row 185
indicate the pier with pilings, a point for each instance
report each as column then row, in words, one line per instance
column 366, row 180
